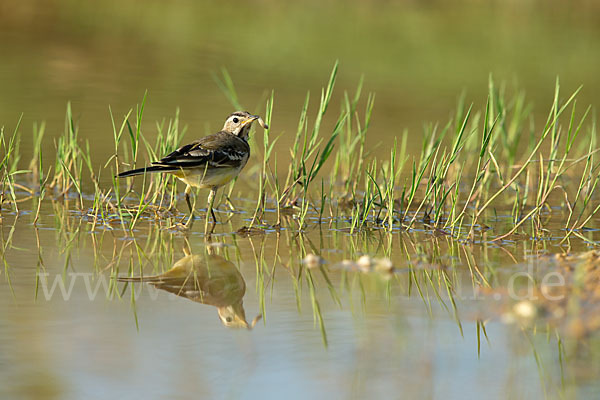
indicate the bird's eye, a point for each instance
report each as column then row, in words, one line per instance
column 228, row 319
column 235, row 120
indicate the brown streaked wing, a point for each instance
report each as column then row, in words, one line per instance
column 222, row 149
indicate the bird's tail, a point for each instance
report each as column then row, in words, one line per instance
column 141, row 171
column 148, row 279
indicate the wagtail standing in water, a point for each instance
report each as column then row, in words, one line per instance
column 209, row 162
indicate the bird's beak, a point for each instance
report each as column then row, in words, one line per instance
column 250, row 120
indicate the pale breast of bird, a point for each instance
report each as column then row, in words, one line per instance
column 211, row 175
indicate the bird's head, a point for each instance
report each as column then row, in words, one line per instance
column 239, row 123
column 234, row 316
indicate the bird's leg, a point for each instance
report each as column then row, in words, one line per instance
column 211, row 200
column 190, row 220
column 188, row 190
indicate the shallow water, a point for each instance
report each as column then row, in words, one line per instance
column 327, row 331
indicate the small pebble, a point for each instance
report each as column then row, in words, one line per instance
column 525, row 309
column 365, row 263
column 312, row 261
column 384, row 265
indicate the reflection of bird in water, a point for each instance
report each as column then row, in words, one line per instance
column 207, row 279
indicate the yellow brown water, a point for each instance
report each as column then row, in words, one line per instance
column 452, row 319
column 348, row 329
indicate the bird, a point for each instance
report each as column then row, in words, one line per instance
column 207, row 279
column 209, row 162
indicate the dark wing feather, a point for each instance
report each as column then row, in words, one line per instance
column 222, row 149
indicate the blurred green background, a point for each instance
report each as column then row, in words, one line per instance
column 418, row 56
